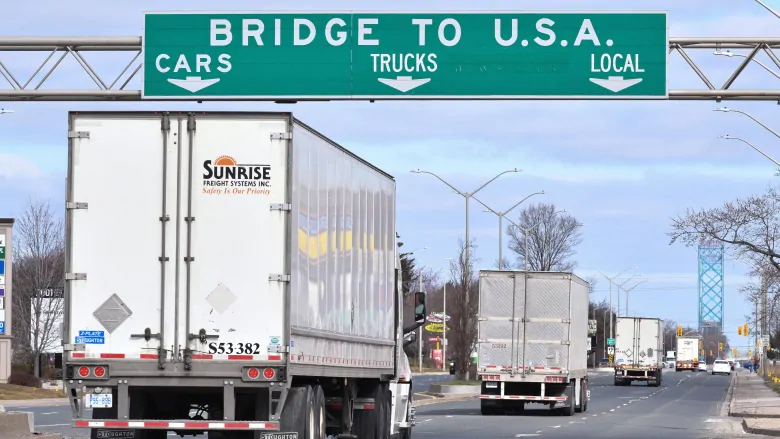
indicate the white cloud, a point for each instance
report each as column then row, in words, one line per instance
column 13, row 166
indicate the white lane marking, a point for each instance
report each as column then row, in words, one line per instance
column 527, row 435
column 612, row 410
column 49, row 413
column 584, row 418
column 555, row 426
column 594, row 415
column 715, row 420
column 428, row 420
column 448, row 416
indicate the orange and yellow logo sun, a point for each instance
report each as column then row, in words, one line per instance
column 225, row 160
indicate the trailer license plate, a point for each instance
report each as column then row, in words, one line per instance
column 491, row 385
column 279, row 436
column 99, row 400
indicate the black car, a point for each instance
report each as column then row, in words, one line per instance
column 452, row 366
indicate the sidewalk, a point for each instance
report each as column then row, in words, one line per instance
column 756, row 403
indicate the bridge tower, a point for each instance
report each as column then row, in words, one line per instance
column 711, row 286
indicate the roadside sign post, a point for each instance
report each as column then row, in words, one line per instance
column 610, row 342
column 405, row 55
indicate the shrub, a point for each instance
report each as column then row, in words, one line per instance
column 23, row 379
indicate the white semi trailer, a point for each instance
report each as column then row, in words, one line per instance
column 532, row 343
column 231, row 273
column 639, row 349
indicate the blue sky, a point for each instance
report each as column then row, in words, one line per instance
column 622, row 168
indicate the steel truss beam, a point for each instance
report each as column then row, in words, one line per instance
column 61, row 47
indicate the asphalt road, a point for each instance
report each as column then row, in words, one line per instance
column 686, row 405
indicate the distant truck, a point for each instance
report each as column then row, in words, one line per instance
column 532, row 342
column 234, row 273
column 639, row 348
column 687, row 354
column 669, row 361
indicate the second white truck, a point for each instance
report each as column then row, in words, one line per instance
column 639, row 350
column 687, row 354
column 532, row 342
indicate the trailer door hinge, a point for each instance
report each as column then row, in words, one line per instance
column 74, row 347
column 281, row 206
column 75, row 276
column 281, row 136
column 278, row 349
column 70, row 205
column 78, row 134
column 279, row 277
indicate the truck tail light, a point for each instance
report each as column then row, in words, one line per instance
column 553, row 379
column 94, row 372
column 269, row 373
column 83, row 371
column 253, row 373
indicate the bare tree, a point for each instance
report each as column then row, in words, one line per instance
column 39, row 268
column 552, row 238
column 507, row 264
column 750, row 226
column 464, row 300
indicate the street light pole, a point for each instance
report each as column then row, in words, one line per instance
column 744, row 63
column 763, row 125
column 727, row 137
column 419, row 331
column 611, row 281
column 619, row 287
column 467, row 196
column 500, row 216
column 444, row 327
column 628, row 290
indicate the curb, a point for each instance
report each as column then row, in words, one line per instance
column 440, row 400
column 730, row 396
column 43, row 402
column 764, row 431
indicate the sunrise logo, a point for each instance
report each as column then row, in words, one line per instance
column 227, row 171
column 225, row 160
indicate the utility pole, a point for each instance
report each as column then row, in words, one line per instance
column 420, row 336
column 764, row 329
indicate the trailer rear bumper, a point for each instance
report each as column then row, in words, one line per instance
column 526, row 398
column 179, row 425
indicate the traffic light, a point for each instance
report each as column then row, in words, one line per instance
column 734, row 350
column 746, row 330
column 720, row 347
column 739, row 330
column 710, row 352
column 679, row 331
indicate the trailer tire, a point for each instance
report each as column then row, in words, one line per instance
column 583, row 405
column 572, row 402
column 487, row 408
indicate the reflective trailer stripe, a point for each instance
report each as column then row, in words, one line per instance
column 179, row 425
column 109, row 355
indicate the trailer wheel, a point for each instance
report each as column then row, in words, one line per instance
column 583, row 405
column 572, row 402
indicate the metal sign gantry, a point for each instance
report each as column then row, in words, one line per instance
column 31, row 88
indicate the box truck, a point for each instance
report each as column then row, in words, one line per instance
column 231, row 273
column 532, row 342
column 687, row 354
column 639, row 350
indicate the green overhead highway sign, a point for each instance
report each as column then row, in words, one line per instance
column 405, row 55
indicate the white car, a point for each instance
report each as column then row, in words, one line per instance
column 702, row 367
column 721, row 366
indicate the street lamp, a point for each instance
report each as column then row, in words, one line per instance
column 730, row 54
column 420, row 333
column 611, row 281
column 467, row 196
column 500, row 216
column 444, row 327
column 620, row 286
column 4, row 111
column 727, row 137
column 628, row 290
column 730, row 110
